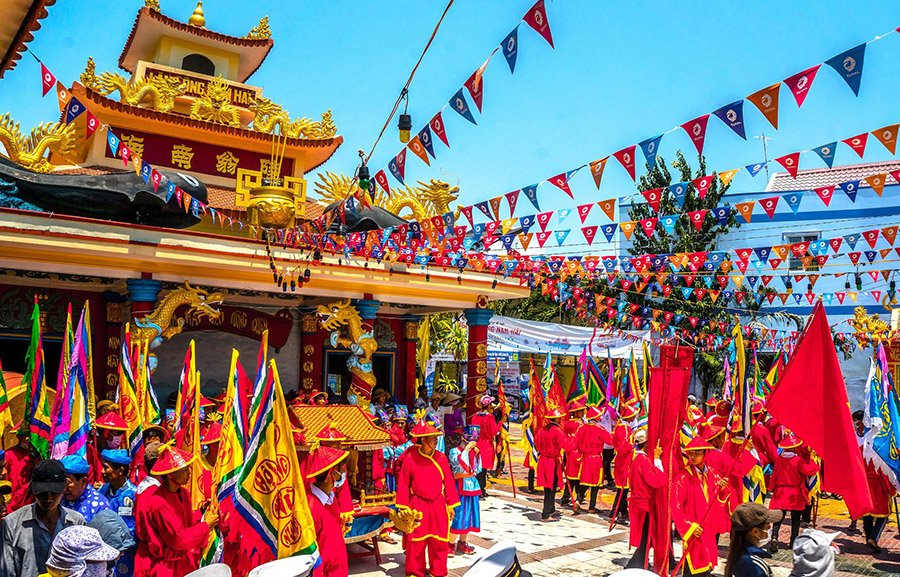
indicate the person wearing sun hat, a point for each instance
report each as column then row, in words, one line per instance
column 719, row 520
column 171, row 534
column 751, row 531
column 425, row 484
column 646, row 477
column 490, row 429
column 79, row 551
column 550, row 443
column 572, row 457
column 465, row 462
column 331, row 436
column 590, row 440
column 789, row 492
column 323, row 470
column 399, row 444
column 623, row 443
column 149, row 434
column 692, row 494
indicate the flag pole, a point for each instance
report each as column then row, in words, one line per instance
column 509, row 463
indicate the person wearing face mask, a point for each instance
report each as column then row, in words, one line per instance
column 331, row 436
column 751, row 531
column 80, row 552
column 112, row 429
column 425, row 484
column 324, row 472
column 79, row 495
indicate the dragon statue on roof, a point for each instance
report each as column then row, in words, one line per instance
column 348, row 331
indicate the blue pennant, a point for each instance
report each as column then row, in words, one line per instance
column 851, row 240
column 170, row 190
column 74, row 110
column 668, row 223
column 609, row 230
column 426, row 140
column 849, row 65
column 733, row 115
column 850, row 188
column 113, row 142
column 679, row 191
column 722, row 214
column 650, row 147
column 754, row 169
column 793, row 200
column 526, row 222
column 826, row 153
column 530, row 191
column 458, row 103
column 561, row 236
column 483, row 207
column 763, row 253
column 563, row 213
column 510, row 47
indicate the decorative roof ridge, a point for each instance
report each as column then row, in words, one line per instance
column 30, row 24
column 202, row 32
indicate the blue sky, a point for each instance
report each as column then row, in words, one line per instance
column 621, row 72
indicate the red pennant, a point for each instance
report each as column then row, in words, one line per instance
column 653, row 197
column 382, row 180
column 91, row 125
column 536, row 17
column 840, row 296
column 597, row 167
column 854, row 257
column 47, row 80
column 608, row 207
column 790, row 162
column 702, row 184
column 466, row 210
column 437, row 126
column 512, row 198
column 800, row 83
column 769, row 205
column 696, row 130
column 775, row 262
column 825, row 193
column 544, row 218
column 584, row 210
column 475, row 85
column 401, row 163
column 799, row 248
column 542, row 237
column 857, row 143
column 648, row 225
column 589, row 233
column 835, row 243
column 697, row 217
column 626, row 158
column 125, row 154
column 561, row 181
column 871, row 237
column 155, row 178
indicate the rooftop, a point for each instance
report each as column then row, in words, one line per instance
column 819, row 177
column 21, row 19
column 359, row 429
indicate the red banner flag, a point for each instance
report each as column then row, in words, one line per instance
column 696, row 130
column 697, row 217
column 475, row 85
column 769, row 205
column 382, row 180
column 91, row 126
column 437, row 126
column 857, row 143
column 801, row 82
column 653, row 198
column 561, row 181
column 825, row 193
column 47, row 80
column 811, row 400
column 790, row 162
column 702, row 184
column 536, row 17
column 626, row 157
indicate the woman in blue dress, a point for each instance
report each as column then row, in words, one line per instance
column 465, row 463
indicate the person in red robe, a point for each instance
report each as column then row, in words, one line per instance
column 789, row 492
column 762, row 437
column 646, row 477
column 323, row 471
column 490, row 430
column 149, row 434
column 623, row 443
column 590, row 440
column 572, row 457
column 20, row 460
column 693, row 493
column 170, row 533
column 882, row 492
column 719, row 520
column 425, row 484
column 331, row 436
column 550, row 443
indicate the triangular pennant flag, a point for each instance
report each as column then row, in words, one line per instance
column 113, row 141
column 426, row 140
column 91, row 125
column 793, row 200
column 877, row 182
column 584, row 210
column 769, row 205
column 888, row 137
column 851, row 240
column 397, row 166
column 542, row 238
column 668, row 223
column 475, row 85
column 702, row 184
column 526, row 222
column 628, row 228
column 727, row 175
column 536, row 17
column 653, row 197
column 561, row 236
column 800, row 83
column 74, row 110
column 458, row 103
column 835, row 244
column 825, row 193
column 510, row 48
column 525, row 240
column 745, row 209
column 561, row 181
column 597, row 167
column 608, row 207
column 697, row 217
column 626, row 158
column 531, row 193
column 850, row 188
column 849, row 65
column 650, row 147
column 589, row 233
column 826, row 153
column 696, row 130
column 47, row 80
column 766, row 100
column 382, row 180
column 62, row 96
column 562, row 214
column 495, row 206
column 418, row 149
column 754, row 169
column 890, row 234
column 609, row 230
column 733, row 116
column 648, row 225
column 790, row 162
column 543, row 219
column 679, row 191
column 871, row 237
column 857, row 143
column 437, row 126
column 722, row 214
column 512, row 198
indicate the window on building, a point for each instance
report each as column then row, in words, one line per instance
column 795, row 262
column 198, row 63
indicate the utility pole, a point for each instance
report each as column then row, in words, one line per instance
column 764, row 140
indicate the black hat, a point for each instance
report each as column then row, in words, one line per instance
column 49, row 475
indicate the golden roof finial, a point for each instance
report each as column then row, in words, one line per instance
column 197, row 18
column 152, row 4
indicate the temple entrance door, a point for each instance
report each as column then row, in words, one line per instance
column 337, row 375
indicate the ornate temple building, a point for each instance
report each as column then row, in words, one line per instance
column 76, row 224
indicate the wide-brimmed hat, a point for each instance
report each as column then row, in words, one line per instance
column 628, row 412
column 330, row 432
column 450, row 399
column 424, row 429
column 594, row 414
column 171, row 459
column 499, row 561
column 297, row 566
column 485, row 400
column 75, row 465
column 214, row 570
column 712, row 431
column 749, row 515
column 158, row 429
column 578, row 404
column 213, row 434
column 554, row 413
column 112, row 421
column 790, row 442
column 698, row 444
column 321, row 459
column 75, row 546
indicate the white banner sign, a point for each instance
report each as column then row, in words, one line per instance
column 515, row 335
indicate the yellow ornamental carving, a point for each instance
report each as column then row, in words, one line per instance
column 89, row 76
column 182, row 156
column 152, row 4
column 347, row 331
column 269, row 116
column 31, row 151
column 418, row 203
column 261, row 31
column 158, row 325
column 215, row 106
column 481, row 350
column 160, row 90
column 227, row 162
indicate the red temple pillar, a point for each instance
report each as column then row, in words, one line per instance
column 478, row 320
column 312, row 359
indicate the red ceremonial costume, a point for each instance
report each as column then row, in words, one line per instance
column 623, row 443
column 19, row 463
column 881, row 490
column 764, row 444
column 487, row 437
column 644, row 479
column 789, row 491
column 170, row 534
column 550, row 443
column 744, row 461
column 426, row 484
column 329, row 537
column 589, row 440
column 691, row 496
column 719, row 520
column 574, row 454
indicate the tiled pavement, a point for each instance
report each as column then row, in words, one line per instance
column 583, row 545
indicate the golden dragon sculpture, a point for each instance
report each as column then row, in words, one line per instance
column 215, row 106
column 31, row 151
column 161, row 90
column 420, row 202
column 868, row 328
column 347, row 331
column 159, row 325
column 269, row 115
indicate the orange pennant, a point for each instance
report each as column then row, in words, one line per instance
column 608, row 207
column 888, row 137
column 726, row 176
column 890, row 234
column 495, row 206
column 766, row 100
column 745, row 209
column 525, row 240
column 415, row 145
column 781, row 250
column 597, row 167
column 877, row 182
column 62, row 95
column 628, row 228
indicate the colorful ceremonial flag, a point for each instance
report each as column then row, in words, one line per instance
column 187, row 420
column 551, row 388
column 271, row 495
column 536, row 17
column 812, row 392
column 6, row 420
column 536, row 402
column 577, row 386
column 74, row 440
column 37, row 407
column 59, row 429
column 883, row 419
column 595, row 385
column 129, row 402
column 742, row 407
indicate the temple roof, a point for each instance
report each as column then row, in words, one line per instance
column 361, row 432
column 21, row 19
column 150, row 25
